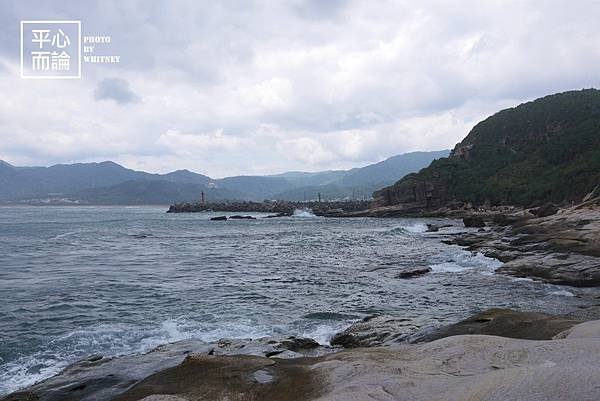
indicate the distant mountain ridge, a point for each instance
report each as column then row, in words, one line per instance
column 110, row 183
column 546, row 150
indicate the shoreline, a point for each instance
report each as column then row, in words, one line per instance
column 370, row 348
column 265, row 368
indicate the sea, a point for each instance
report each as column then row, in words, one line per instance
column 77, row 281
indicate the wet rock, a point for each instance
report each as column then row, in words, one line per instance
column 504, row 323
column 410, row 272
column 103, row 378
column 241, row 377
column 563, row 248
column 456, row 368
column 432, row 228
column 374, row 331
column 219, row 218
column 272, row 216
column 473, row 221
column 284, row 347
column 556, row 268
column 546, row 210
column 238, row 217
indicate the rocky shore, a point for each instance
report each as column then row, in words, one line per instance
column 560, row 248
column 498, row 354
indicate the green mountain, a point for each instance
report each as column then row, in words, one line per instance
column 110, row 183
column 544, row 150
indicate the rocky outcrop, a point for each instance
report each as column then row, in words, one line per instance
column 466, row 367
column 413, row 193
column 563, row 248
column 453, row 366
column 505, row 323
column 473, row 221
column 104, row 378
column 411, row 272
column 381, row 330
column 544, row 211
column 374, row 331
column 462, row 367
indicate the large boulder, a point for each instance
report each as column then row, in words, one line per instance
column 547, row 210
column 473, row 221
column 504, row 323
column 374, row 331
column 414, row 271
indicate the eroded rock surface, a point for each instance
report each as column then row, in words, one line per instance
column 374, row 331
column 100, row 379
column 563, row 248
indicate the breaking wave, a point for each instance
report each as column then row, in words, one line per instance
column 304, row 213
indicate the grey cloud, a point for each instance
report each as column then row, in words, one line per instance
column 410, row 76
column 319, row 8
column 116, row 89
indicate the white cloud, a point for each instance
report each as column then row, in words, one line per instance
column 262, row 87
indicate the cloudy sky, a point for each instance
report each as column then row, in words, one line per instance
column 257, row 87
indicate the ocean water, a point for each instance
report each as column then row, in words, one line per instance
column 76, row 281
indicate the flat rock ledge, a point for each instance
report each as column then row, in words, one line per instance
column 562, row 248
column 382, row 330
column 461, row 367
column 101, row 378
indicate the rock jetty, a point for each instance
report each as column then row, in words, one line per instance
column 276, row 208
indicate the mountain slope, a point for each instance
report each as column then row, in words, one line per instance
column 388, row 171
column 544, row 150
column 108, row 182
column 154, row 192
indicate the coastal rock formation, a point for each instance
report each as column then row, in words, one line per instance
column 473, row 221
column 505, row 323
column 410, row 272
column 387, row 330
column 374, row 331
column 103, row 378
column 288, row 347
column 474, row 367
column 563, row 248
column 544, row 211
column 469, row 367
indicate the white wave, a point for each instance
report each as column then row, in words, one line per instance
column 304, row 213
column 415, row 228
column 324, row 332
column 521, row 279
column 113, row 340
column 464, row 261
column 563, row 293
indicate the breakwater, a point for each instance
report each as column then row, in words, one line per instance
column 282, row 208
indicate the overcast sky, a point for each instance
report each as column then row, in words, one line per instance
column 255, row 87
